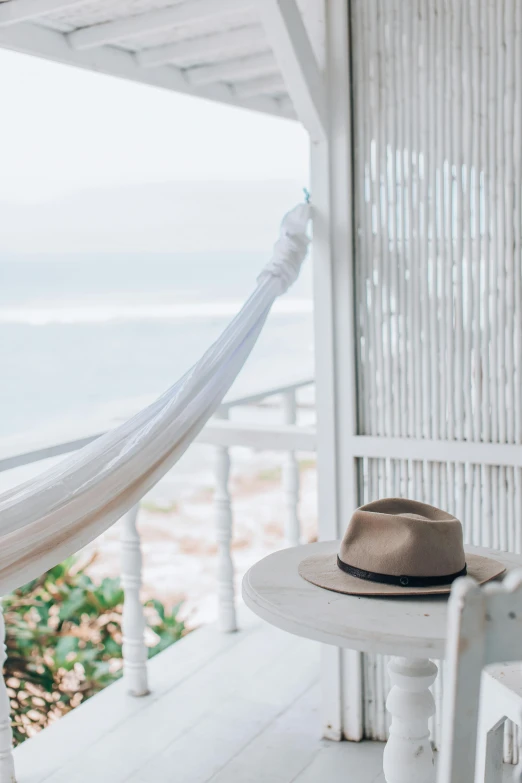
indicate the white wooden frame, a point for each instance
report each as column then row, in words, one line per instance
column 204, row 47
column 152, row 21
column 335, row 361
column 293, row 50
column 439, row 362
column 35, row 39
column 484, row 627
column 233, row 70
column 22, row 10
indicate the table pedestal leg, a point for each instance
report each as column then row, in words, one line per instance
column 408, row 757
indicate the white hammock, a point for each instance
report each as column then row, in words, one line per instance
column 48, row 518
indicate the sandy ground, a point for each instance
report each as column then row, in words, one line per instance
column 176, row 524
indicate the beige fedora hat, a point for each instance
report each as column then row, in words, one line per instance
column 396, row 546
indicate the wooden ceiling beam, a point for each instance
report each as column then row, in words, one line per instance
column 15, row 11
column 204, row 47
column 240, row 69
column 288, row 37
column 152, row 21
column 50, row 44
column 265, row 85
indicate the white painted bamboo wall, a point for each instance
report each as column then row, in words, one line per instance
column 437, row 134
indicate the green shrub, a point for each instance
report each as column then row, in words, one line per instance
column 63, row 638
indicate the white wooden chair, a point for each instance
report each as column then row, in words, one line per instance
column 484, row 627
column 500, row 699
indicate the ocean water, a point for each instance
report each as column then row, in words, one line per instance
column 80, row 332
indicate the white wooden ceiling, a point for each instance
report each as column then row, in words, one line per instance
column 215, row 49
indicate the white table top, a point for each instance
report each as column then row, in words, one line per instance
column 411, row 627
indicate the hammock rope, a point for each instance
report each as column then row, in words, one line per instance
column 55, row 514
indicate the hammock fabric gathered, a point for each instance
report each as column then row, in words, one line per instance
column 55, row 514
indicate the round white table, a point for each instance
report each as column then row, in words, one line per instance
column 411, row 629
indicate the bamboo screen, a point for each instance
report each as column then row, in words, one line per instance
column 437, row 118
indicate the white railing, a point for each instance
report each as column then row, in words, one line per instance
column 7, row 774
column 225, row 567
column 134, row 651
column 222, row 433
column 223, row 504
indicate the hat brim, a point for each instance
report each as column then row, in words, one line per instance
column 323, row 571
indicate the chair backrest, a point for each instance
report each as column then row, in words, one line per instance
column 484, row 626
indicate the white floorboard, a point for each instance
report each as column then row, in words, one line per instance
column 237, row 708
column 75, row 734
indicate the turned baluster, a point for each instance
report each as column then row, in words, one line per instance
column 290, row 476
column 225, row 568
column 408, row 756
column 7, row 771
column 133, row 620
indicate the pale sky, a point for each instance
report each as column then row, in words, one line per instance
column 63, row 129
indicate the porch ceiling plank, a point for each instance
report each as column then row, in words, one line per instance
column 204, row 47
column 239, row 69
column 289, row 39
column 41, row 41
column 286, row 106
column 15, row 11
column 152, row 21
column 266, row 85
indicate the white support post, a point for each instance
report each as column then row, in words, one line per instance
column 290, row 476
column 7, row 770
column 133, row 621
column 290, row 42
column 334, row 308
column 227, row 622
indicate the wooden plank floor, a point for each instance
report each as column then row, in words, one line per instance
column 237, row 708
